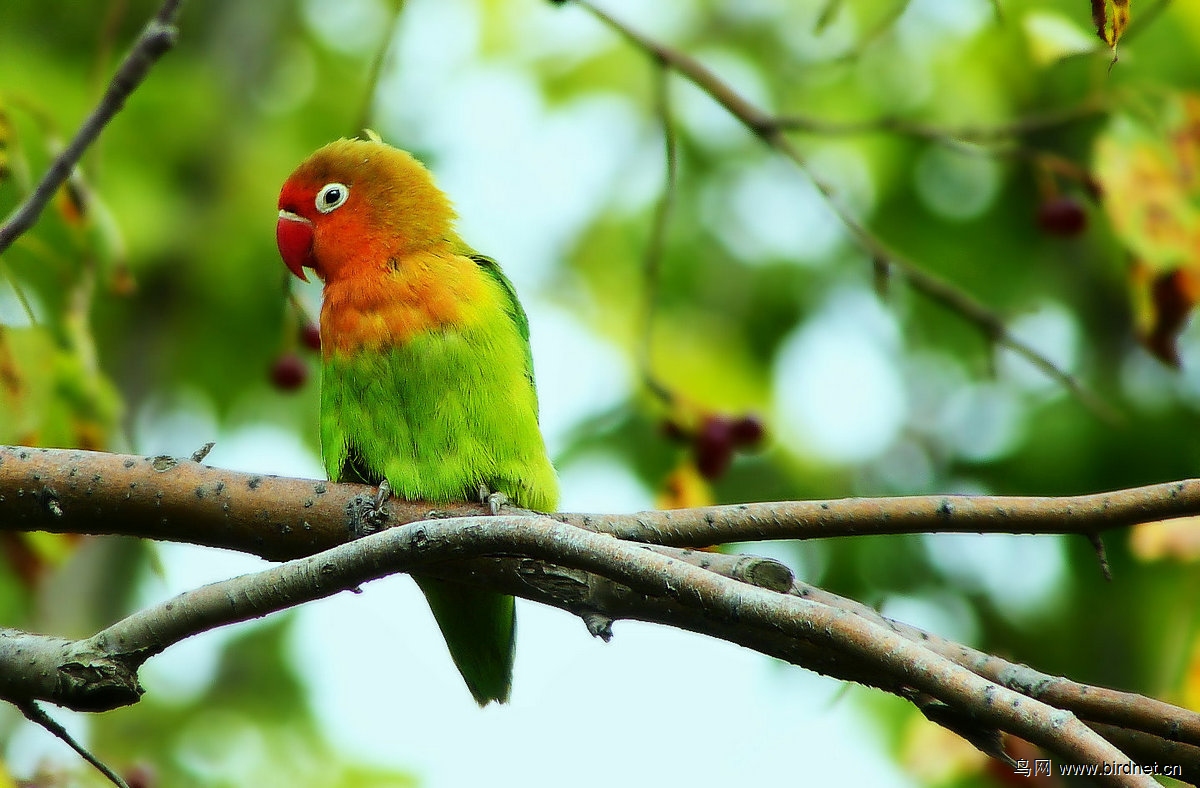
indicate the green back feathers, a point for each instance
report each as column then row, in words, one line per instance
column 512, row 304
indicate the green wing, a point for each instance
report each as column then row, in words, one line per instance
column 512, row 304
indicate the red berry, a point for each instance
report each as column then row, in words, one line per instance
column 310, row 335
column 748, row 431
column 142, row 775
column 289, row 372
column 1062, row 216
column 713, row 446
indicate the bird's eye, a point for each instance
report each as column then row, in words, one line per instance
column 331, row 196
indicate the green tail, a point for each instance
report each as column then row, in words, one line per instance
column 480, row 628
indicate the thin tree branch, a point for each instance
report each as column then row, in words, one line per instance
column 768, row 129
column 1147, row 749
column 873, row 34
column 652, row 259
column 376, row 69
column 36, row 714
column 1094, row 705
column 155, row 40
column 67, row 673
column 978, row 135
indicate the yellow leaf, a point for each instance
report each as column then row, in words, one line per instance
column 1110, row 28
column 30, row 555
column 6, row 133
column 1151, row 185
column 1120, row 20
column 50, row 395
column 936, row 756
column 1178, row 539
column 1162, row 304
column 71, row 202
column 1190, row 693
column 685, row 488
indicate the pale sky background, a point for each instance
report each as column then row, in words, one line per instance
column 655, row 706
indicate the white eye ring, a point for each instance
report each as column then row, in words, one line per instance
column 331, row 196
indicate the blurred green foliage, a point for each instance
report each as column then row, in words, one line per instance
column 167, row 285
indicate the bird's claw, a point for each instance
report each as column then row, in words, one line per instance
column 382, row 495
column 374, row 512
column 495, row 500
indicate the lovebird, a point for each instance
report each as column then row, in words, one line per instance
column 426, row 376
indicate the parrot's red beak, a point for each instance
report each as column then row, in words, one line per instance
column 294, row 235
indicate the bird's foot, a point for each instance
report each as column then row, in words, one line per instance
column 495, row 500
column 373, row 514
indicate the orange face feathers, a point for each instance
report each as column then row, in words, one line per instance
column 356, row 204
column 369, row 220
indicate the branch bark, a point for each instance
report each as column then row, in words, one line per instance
column 177, row 499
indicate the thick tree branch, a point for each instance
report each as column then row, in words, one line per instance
column 546, row 558
column 417, row 546
column 72, row 491
column 156, row 39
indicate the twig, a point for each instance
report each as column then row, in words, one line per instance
column 1147, row 749
column 980, row 135
column 155, row 40
column 767, row 128
column 874, row 34
column 1101, row 555
column 19, row 292
column 34, row 713
column 652, row 259
column 199, row 454
column 377, row 63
